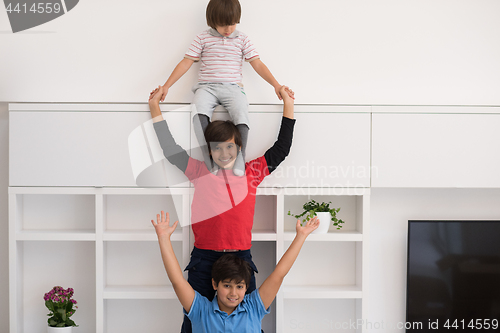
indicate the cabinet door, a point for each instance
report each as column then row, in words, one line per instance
column 436, row 150
column 91, row 149
column 328, row 150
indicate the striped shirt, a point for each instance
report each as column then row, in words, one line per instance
column 221, row 57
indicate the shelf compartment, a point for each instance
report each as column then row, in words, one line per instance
column 326, row 264
column 132, row 316
column 351, row 212
column 51, row 212
column 264, row 221
column 136, row 264
column 134, row 212
column 322, row 315
column 43, row 265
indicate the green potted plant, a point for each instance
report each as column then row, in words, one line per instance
column 323, row 212
column 62, row 306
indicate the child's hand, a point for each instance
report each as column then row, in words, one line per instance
column 162, row 225
column 287, row 94
column 155, row 96
column 309, row 227
column 162, row 91
column 279, row 93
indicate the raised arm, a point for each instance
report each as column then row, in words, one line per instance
column 279, row 151
column 174, row 153
column 179, row 70
column 266, row 74
column 288, row 99
column 272, row 284
column 183, row 290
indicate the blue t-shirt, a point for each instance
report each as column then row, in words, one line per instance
column 206, row 317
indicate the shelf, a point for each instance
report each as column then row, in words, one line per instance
column 56, row 235
column 322, row 292
column 336, row 236
column 264, row 236
column 152, row 292
column 138, row 235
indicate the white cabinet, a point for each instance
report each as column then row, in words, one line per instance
column 331, row 145
column 78, row 219
column 67, row 148
column 328, row 150
column 436, row 150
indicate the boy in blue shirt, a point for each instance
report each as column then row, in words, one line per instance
column 231, row 309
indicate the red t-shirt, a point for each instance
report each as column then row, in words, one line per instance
column 223, row 205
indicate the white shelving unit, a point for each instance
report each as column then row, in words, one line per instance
column 124, row 268
column 125, row 264
column 77, row 219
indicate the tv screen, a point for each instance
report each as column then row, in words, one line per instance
column 453, row 276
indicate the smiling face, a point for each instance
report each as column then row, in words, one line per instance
column 224, row 153
column 226, row 30
column 229, row 294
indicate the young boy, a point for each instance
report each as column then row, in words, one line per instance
column 223, row 204
column 221, row 50
column 231, row 308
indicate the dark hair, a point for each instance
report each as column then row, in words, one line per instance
column 230, row 267
column 222, row 131
column 223, row 12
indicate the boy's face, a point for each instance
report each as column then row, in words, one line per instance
column 224, row 153
column 230, row 293
column 226, row 30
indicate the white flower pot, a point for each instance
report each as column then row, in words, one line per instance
column 325, row 220
column 59, row 329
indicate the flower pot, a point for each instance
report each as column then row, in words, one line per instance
column 325, row 219
column 68, row 329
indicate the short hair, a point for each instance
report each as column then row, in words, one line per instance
column 233, row 268
column 223, row 12
column 222, row 131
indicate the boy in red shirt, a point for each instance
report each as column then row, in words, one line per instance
column 223, row 203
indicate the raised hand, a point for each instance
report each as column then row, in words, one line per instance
column 162, row 225
column 309, row 227
column 279, row 92
column 155, row 96
column 162, row 93
column 287, row 94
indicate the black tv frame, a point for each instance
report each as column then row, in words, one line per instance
column 485, row 324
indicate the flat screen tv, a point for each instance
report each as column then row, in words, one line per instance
column 453, row 276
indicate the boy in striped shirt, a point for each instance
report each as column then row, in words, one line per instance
column 221, row 50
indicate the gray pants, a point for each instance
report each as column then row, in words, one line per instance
column 230, row 95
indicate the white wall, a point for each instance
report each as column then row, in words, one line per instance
column 390, row 211
column 330, row 51
column 4, row 235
